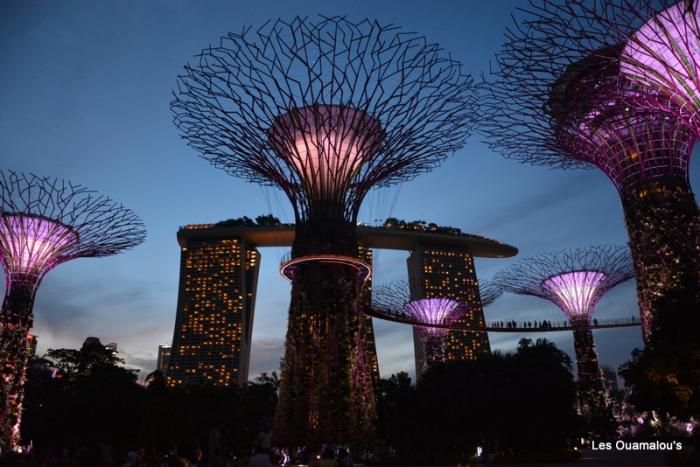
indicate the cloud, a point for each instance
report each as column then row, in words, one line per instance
column 548, row 197
column 265, row 356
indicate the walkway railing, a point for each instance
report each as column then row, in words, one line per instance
column 512, row 326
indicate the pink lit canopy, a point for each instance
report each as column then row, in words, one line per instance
column 574, row 279
column 33, row 245
column 576, row 293
column 325, row 145
column 433, row 311
column 664, row 54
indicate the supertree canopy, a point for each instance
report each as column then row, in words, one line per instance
column 45, row 222
column 573, row 88
column 489, row 291
column 325, row 109
column 661, row 55
column 574, row 280
column 429, row 316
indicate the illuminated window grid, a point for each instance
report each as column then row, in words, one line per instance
column 209, row 328
column 448, row 273
column 367, row 255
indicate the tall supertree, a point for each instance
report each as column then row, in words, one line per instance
column 613, row 85
column 43, row 223
column 325, row 109
column 429, row 316
column 574, row 280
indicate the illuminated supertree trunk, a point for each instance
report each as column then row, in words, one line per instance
column 44, row 222
column 325, row 111
column 592, row 396
column 574, row 280
column 664, row 234
column 614, row 85
column 15, row 324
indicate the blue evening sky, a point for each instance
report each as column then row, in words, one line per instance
column 84, row 95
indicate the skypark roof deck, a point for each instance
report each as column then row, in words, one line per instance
column 371, row 237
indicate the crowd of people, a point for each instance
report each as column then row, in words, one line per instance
column 544, row 324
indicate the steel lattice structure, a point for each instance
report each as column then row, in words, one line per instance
column 429, row 316
column 325, row 109
column 574, row 280
column 599, row 83
column 489, row 292
column 45, row 222
column 257, row 104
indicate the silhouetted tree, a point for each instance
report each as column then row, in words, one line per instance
column 524, row 401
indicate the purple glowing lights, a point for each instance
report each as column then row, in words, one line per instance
column 33, row 245
column 326, row 145
column 573, row 279
column 663, row 54
column 576, row 293
column 433, row 311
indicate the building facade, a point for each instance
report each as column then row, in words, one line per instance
column 216, row 303
column 440, row 271
column 32, row 341
column 366, row 255
column 164, row 352
column 218, row 281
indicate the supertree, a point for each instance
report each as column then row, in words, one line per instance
column 489, row 291
column 45, row 222
column 429, row 316
column 325, row 110
column 587, row 83
column 574, row 280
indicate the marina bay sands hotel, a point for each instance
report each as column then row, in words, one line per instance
column 218, row 285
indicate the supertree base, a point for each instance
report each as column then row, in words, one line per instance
column 15, row 323
column 664, row 231
column 326, row 393
column 592, row 396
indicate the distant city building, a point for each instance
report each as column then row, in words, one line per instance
column 367, row 255
column 164, row 357
column 216, row 301
column 440, row 271
column 32, row 341
column 610, row 379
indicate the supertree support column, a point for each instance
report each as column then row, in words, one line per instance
column 564, row 96
column 325, row 110
column 659, row 65
column 431, row 318
column 45, row 222
column 575, row 280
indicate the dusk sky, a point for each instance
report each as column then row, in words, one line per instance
column 85, row 88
